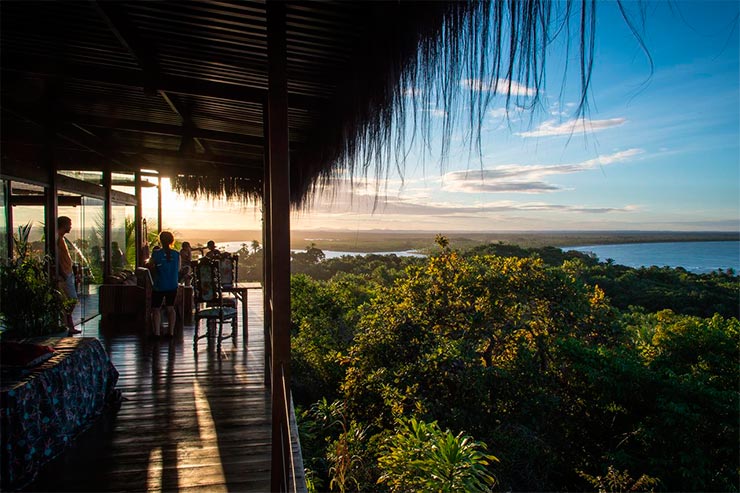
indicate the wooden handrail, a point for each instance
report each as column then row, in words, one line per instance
column 289, row 474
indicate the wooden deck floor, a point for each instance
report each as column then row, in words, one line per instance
column 190, row 421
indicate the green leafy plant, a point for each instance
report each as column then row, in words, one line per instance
column 615, row 481
column 421, row 457
column 30, row 304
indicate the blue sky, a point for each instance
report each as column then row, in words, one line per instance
column 654, row 152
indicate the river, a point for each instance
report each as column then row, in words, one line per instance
column 694, row 256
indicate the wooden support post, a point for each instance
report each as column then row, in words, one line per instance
column 159, row 205
column 279, row 163
column 108, row 217
column 50, row 194
column 267, row 250
column 138, row 233
column 8, row 187
column 50, row 218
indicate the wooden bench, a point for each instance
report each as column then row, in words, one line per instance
column 125, row 300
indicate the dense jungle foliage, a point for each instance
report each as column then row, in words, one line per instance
column 514, row 369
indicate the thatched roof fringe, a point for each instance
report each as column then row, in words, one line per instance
column 455, row 65
column 422, row 72
column 246, row 190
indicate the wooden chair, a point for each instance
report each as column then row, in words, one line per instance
column 228, row 265
column 209, row 302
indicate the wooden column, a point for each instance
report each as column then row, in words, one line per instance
column 279, row 189
column 138, row 233
column 267, row 250
column 108, row 216
column 50, row 194
column 8, row 187
column 159, row 205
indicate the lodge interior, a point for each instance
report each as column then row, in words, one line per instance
column 263, row 102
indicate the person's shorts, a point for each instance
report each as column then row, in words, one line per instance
column 167, row 296
column 67, row 286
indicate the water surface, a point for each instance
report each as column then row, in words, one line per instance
column 694, row 256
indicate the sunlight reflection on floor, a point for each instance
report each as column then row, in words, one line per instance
column 154, row 474
column 196, row 454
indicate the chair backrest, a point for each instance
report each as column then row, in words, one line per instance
column 206, row 280
column 144, row 277
column 229, row 267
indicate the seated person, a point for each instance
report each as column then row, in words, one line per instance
column 186, row 257
column 116, row 257
column 212, row 250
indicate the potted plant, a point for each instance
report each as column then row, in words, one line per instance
column 30, row 304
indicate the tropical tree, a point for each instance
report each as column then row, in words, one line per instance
column 571, row 393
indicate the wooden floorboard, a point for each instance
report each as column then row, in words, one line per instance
column 190, row 421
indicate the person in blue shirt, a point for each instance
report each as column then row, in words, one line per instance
column 165, row 266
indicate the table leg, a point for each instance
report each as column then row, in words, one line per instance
column 245, row 319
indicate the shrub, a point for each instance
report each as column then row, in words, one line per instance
column 421, row 457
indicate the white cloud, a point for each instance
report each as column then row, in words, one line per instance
column 438, row 113
column 415, row 209
column 611, row 158
column 551, row 128
column 498, row 113
column 504, row 187
column 524, row 178
column 500, row 86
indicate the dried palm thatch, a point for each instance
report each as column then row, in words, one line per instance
column 452, row 56
column 448, row 57
column 242, row 189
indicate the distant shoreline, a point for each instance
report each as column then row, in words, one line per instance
column 383, row 241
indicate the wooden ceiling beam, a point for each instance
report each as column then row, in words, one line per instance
column 165, row 129
column 154, row 156
column 73, row 133
column 145, row 54
column 118, row 23
column 188, row 127
column 187, row 86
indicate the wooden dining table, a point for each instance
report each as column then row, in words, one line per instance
column 240, row 291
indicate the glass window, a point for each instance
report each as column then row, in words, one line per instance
column 29, row 215
column 123, row 238
column 124, row 182
column 149, row 211
column 85, row 243
column 3, row 218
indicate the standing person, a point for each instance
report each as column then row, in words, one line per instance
column 144, row 247
column 165, row 264
column 66, row 272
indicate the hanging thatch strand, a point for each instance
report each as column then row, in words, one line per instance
column 452, row 58
column 443, row 57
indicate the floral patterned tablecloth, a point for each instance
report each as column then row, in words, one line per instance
column 42, row 409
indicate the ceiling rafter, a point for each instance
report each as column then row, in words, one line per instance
column 144, row 53
column 164, row 129
column 73, row 133
column 198, row 159
column 163, row 162
column 189, row 128
column 172, row 84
